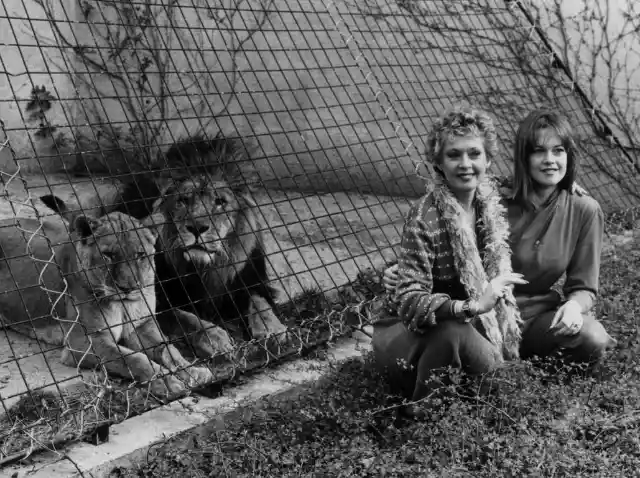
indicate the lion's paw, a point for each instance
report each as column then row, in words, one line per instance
column 213, row 341
column 265, row 324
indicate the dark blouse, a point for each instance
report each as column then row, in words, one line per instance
column 563, row 235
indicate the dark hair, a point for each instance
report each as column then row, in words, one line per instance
column 526, row 141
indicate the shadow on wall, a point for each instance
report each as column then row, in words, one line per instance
column 296, row 92
column 320, row 117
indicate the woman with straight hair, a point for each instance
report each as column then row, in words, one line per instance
column 454, row 280
column 554, row 232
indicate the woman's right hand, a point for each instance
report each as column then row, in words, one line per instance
column 390, row 278
column 578, row 190
column 497, row 289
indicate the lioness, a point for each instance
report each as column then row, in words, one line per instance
column 106, row 312
column 211, row 266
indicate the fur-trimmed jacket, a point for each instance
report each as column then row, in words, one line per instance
column 442, row 259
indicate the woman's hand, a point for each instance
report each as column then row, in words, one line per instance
column 494, row 291
column 390, row 278
column 497, row 289
column 568, row 319
column 578, row 190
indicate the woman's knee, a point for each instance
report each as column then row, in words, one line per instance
column 392, row 347
column 593, row 342
column 380, row 342
column 477, row 355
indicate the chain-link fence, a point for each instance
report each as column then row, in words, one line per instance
column 278, row 145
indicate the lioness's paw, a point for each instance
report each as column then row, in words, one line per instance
column 167, row 386
column 213, row 341
column 194, row 376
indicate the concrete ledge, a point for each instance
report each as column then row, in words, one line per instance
column 131, row 439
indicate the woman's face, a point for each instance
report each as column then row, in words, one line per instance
column 464, row 163
column 548, row 161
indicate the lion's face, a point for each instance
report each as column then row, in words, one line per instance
column 200, row 214
column 115, row 252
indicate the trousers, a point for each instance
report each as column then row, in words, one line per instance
column 410, row 359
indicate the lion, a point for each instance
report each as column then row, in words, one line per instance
column 211, row 266
column 104, row 314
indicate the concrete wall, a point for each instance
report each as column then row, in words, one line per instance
column 331, row 97
column 298, row 92
column 31, row 61
column 615, row 68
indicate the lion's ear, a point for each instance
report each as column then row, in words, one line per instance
column 83, row 225
column 54, row 203
column 58, row 206
column 153, row 223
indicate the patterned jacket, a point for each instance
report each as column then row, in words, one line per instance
column 427, row 278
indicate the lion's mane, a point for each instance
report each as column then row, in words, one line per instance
column 210, row 255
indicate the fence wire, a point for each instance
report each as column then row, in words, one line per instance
column 278, row 145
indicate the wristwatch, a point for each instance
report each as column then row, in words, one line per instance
column 468, row 312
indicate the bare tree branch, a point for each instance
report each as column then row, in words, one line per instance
column 146, row 54
column 557, row 50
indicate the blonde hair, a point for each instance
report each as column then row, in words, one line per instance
column 461, row 121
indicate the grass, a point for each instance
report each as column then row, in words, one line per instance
column 539, row 419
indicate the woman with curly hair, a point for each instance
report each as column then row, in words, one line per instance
column 554, row 231
column 454, row 279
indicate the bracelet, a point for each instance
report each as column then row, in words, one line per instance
column 459, row 309
column 474, row 307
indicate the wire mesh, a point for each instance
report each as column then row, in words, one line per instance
column 308, row 116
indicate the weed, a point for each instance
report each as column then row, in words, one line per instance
column 535, row 419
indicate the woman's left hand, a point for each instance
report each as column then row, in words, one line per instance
column 568, row 319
